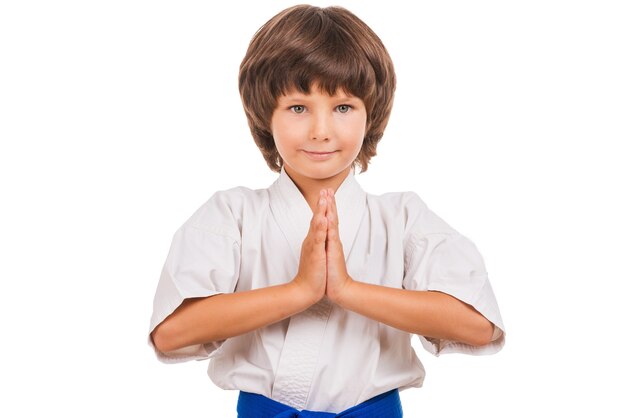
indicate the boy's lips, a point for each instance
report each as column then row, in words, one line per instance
column 319, row 155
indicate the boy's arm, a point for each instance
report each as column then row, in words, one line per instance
column 427, row 313
column 216, row 318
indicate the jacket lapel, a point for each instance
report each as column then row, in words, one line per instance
column 291, row 212
column 351, row 203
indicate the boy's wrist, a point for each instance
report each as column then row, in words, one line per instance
column 341, row 295
column 303, row 294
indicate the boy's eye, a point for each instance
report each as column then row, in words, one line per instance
column 343, row 108
column 297, row 108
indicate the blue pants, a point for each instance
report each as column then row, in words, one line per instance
column 251, row 405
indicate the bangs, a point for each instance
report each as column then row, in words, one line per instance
column 330, row 69
column 323, row 53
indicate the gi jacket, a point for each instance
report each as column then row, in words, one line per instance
column 325, row 358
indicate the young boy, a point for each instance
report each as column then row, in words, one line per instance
column 305, row 295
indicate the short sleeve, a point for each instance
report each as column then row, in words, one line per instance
column 203, row 261
column 438, row 258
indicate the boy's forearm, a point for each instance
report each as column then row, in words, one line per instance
column 431, row 314
column 216, row 318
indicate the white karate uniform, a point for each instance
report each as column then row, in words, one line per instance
column 325, row 358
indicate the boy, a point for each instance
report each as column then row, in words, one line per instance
column 305, row 295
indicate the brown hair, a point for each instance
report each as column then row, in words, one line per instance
column 303, row 45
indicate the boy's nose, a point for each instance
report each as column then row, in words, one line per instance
column 320, row 127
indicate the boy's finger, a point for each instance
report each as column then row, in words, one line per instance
column 322, row 202
column 333, row 208
column 320, row 222
column 320, row 209
column 320, row 230
column 331, row 215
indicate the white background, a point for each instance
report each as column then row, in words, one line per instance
column 118, row 119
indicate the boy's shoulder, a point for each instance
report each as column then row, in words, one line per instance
column 408, row 208
column 396, row 200
column 403, row 206
column 226, row 207
column 238, row 196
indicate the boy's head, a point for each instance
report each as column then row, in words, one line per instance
column 330, row 47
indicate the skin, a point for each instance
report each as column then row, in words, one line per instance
column 319, row 122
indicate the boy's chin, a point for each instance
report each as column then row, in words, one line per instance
column 324, row 173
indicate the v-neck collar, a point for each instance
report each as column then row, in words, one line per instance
column 293, row 214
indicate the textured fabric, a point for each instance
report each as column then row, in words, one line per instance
column 325, row 358
column 251, row 405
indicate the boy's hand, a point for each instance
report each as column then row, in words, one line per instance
column 312, row 270
column 337, row 278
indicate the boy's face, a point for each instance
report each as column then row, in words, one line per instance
column 318, row 136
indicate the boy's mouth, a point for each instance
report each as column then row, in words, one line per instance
column 318, row 156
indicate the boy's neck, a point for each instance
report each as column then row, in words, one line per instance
column 310, row 187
